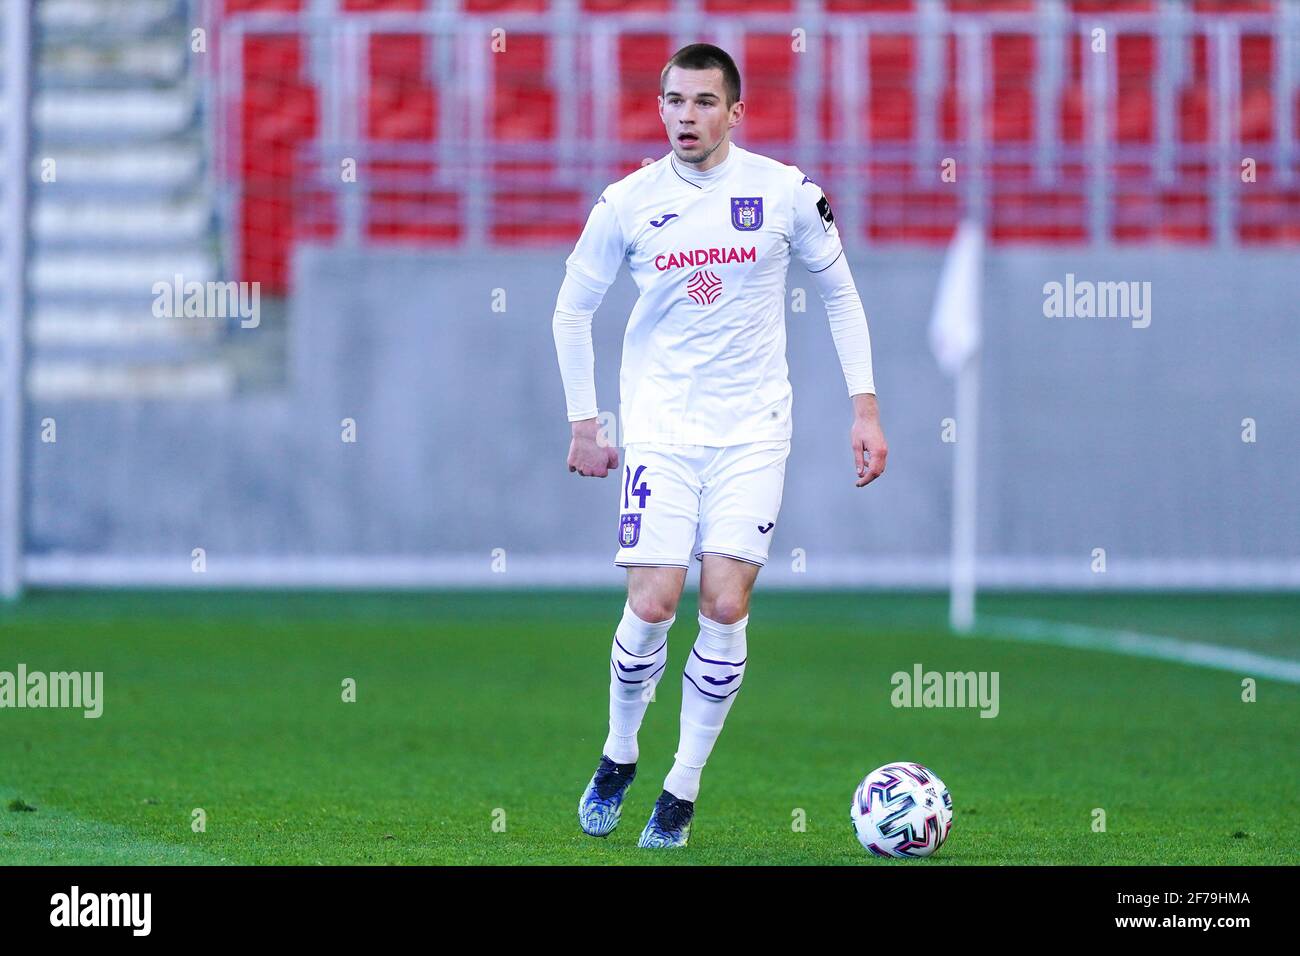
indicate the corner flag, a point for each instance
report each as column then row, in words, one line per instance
column 955, row 341
column 955, row 322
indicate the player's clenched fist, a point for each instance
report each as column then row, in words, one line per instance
column 587, row 455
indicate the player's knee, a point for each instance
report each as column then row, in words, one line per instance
column 651, row 608
column 727, row 608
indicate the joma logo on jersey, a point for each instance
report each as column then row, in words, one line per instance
column 704, row 257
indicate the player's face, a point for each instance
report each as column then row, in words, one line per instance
column 694, row 109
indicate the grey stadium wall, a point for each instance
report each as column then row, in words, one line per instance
column 1094, row 434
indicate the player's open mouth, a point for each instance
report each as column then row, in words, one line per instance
column 687, row 139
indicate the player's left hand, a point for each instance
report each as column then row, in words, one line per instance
column 868, row 440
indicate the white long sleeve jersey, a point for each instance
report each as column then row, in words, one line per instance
column 704, row 350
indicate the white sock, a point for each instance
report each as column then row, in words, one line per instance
column 713, row 674
column 637, row 659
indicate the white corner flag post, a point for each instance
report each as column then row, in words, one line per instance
column 955, row 340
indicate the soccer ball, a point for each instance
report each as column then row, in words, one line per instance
column 901, row 809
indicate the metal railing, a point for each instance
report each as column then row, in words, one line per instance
column 585, row 153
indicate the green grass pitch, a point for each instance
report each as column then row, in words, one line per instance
column 479, row 718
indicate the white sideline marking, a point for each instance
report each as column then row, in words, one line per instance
column 1136, row 644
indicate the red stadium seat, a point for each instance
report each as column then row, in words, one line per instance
column 1269, row 213
column 383, row 6
column 261, row 6
column 904, row 213
column 1233, row 6
column 870, row 6
column 952, row 127
column 1113, row 6
column 770, row 88
column 626, row 6
column 402, row 104
column 1134, row 97
column 1021, row 214
column 278, row 114
column 641, row 58
column 523, row 104
column 891, row 64
column 1011, row 101
column 530, row 217
column 421, row 217
column 747, row 6
column 1256, row 89
column 1173, row 215
column 501, row 6
column 403, row 108
column 986, row 6
column 1071, row 109
column 1194, row 99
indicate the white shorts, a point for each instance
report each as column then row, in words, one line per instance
column 676, row 501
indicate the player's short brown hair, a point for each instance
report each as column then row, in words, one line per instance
column 706, row 56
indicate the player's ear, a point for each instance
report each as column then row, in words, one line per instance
column 737, row 114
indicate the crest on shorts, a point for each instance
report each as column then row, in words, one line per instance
column 747, row 212
column 629, row 530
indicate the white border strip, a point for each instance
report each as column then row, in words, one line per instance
column 1137, row 644
column 475, row 569
column 472, row 570
column 13, row 220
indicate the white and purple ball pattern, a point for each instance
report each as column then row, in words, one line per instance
column 902, row 810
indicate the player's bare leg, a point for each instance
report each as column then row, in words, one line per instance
column 637, row 661
column 712, row 676
column 726, row 585
column 653, row 593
